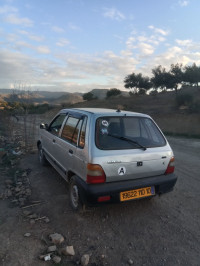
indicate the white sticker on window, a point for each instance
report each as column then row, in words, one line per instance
column 122, row 170
column 105, row 123
column 104, row 131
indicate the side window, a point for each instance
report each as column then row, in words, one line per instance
column 82, row 134
column 56, row 124
column 71, row 129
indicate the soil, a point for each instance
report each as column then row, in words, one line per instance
column 161, row 231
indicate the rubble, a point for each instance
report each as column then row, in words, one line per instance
column 52, row 248
column 27, row 234
column 85, row 259
column 56, row 259
column 68, row 251
column 56, row 238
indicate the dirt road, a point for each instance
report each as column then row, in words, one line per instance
column 161, row 231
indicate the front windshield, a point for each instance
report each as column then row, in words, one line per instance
column 140, row 130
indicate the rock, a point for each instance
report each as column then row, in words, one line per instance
column 24, row 174
column 56, row 259
column 56, row 238
column 17, row 189
column 85, row 259
column 9, row 193
column 27, row 234
column 32, row 221
column 130, row 262
column 68, row 251
column 8, row 182
column 47, row 220
column 28, row 192
column 51, row 249
column 1, row 195
column 26, row 213
column 45, row 257
column 33, row 216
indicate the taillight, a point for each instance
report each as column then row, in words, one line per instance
column 170, row 168
column 95, row 174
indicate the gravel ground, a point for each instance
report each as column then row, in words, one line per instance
column 161, row 231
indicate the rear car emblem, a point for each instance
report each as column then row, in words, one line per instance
column 122, row 170
column 139, row 163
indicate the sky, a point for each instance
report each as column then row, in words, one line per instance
column 80, row 45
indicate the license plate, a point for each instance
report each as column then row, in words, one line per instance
column 137, row 193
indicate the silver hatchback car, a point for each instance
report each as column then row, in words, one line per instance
column 107, row 155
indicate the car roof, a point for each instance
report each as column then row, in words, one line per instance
column 104, row 111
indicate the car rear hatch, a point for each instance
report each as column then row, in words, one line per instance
column 134, row 164
column 130, row 147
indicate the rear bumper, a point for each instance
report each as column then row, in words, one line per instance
column 90, row 193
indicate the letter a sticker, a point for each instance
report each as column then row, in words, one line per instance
column 122, row 170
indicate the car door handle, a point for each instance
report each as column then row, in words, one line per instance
column 71, row 151
column 54, row 140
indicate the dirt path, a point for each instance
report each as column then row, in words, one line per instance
column 161, row 231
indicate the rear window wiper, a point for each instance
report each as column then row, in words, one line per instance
column 128, row 140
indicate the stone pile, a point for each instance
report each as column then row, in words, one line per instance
column 57, row 249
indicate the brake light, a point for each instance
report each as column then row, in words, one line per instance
column 95, row 174
column 171, row 167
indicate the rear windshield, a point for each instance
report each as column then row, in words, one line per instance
column 117, row 133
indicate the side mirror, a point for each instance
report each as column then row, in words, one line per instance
column 43, row 126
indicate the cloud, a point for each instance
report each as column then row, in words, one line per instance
column 31, row 36
column 183, row 3
column 113, row 14
column 158, row 30
column 57, row 29
column 72, row 26
column 62, row 42
column 15, row 19
column 146, row 49
column 184, row 42
column 43, row 50
column 7, row 9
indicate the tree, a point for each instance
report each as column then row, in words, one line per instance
column 113, row 92
column 88, row 96
column 192, row 74
column 159, row 77
column 176, row 72
column 137, row 82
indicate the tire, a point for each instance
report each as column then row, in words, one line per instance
column 42, row 158
column 74, row 195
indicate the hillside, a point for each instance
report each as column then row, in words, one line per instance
column 162, row 107
column 40, row 96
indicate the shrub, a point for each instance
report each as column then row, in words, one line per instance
column 113, row 92
column 88, row 96
column 184, row 99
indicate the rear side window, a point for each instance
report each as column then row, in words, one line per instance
column 73, row 128
column 114, row 133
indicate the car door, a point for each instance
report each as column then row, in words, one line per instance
column 49, row 137
column 70, row 140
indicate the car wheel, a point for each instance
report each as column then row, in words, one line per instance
column 42, row 158
column 74, row 195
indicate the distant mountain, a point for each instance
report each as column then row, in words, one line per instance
column 40, row 96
